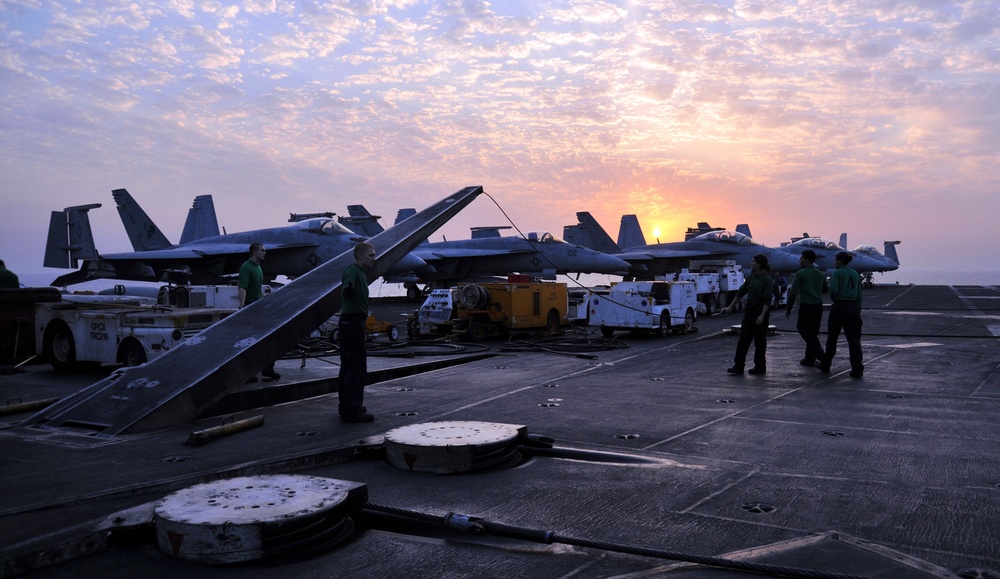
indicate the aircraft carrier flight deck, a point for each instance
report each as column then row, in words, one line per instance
column 637, row 458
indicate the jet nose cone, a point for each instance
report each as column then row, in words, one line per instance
column 605, row 263
column 408, row 263
column 872, row 263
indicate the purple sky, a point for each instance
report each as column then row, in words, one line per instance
column 881, row 118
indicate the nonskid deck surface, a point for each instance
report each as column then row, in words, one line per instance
column 659, row 448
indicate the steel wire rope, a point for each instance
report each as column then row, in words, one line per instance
column 572, row 346
column 542, row 255
column 481, row 527
column 321, row 348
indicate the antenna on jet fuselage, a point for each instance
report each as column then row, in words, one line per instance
column 296, row 217
column 484, row 231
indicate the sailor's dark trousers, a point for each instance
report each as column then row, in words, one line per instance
column 353, row 363
column 809, row 322
column 751, row 331
column 845, row 315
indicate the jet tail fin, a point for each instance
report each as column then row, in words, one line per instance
column 404, row 213
column 890, row 250
column 744, row 228
column 629, row 232
column 70, row 237
column 201, row 220
column 142, row 232
column 843, row 240
column 589, row 233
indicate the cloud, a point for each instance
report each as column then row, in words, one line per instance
column 681, row 111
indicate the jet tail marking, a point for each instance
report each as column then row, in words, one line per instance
column 142, row 232
column 589, row 233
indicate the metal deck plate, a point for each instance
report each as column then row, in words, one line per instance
column 248, row 518
column 451, row 446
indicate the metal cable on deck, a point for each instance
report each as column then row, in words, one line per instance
column 481, row 527
column 774, row 570
column 321, row 348
column 406, row 513
column 564, row 345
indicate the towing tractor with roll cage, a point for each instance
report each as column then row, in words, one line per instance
column 130, row 330
column 661, row 307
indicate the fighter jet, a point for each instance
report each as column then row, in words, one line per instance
column 866, row 260
column 536, row 253
column 659, row 259
column 488, row 254
column 293, row 250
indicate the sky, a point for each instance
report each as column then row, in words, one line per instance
column 876, row 118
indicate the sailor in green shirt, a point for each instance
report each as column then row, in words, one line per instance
column 758, row 288
column 250, row 290
column 809, row 285
column 845, row 314
column 353, row 336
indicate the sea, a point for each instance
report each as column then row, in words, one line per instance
column 381, row 289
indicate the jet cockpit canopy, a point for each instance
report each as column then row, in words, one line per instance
column 726, row 236
column 323, row 225
column 867, row 250
column 817, row 243
column 542, row 237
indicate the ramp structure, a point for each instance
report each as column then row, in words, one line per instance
column 175, row 387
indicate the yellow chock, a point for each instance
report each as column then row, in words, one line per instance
column 209, row 434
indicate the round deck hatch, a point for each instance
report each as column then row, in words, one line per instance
column 249, row 518
column 451, row 447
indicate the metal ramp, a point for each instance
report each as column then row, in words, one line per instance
column 178, row 385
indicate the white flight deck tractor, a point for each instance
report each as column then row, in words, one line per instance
column 123, row 329
column 658, row 306
column 717, row 282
